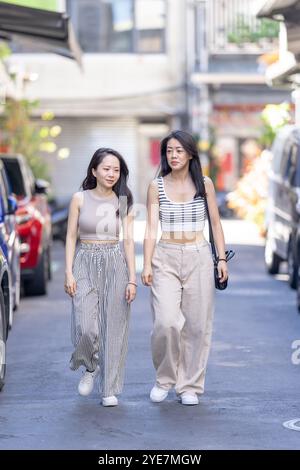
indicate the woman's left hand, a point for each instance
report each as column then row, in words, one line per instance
column 130, row 292
column 222, row 271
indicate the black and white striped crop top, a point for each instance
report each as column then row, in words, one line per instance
column 180, row 216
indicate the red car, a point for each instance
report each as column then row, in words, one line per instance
column 33, row 224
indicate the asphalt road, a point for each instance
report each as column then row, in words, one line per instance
column 252, row 386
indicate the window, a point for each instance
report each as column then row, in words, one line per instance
column 295, row 173
column 150, row 25
column 292, row 165
column 121, row 26
column 119, row 16
column 286, row 157
column 3, row 197
column 15, row 177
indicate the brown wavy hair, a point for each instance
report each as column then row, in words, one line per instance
column 120, row 188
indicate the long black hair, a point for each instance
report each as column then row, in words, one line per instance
column 188, row 143
column 120, row 188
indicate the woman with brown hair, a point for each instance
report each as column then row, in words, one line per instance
column 100, row 280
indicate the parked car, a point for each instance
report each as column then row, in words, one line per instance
column 59, row 219
column 33, row 224
column 298, row 274
column 283, row 210
column 5, row 296
column 223, row 200
column 9, row 237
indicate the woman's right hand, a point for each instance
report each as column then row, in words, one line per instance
column 147, row 276
column 70, row 284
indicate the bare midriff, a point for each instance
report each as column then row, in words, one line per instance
column 99, row 241
column 182, row 237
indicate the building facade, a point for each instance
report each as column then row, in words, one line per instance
column 227, row 87
column 284, row 73
column 130, row 92
column 150, row 66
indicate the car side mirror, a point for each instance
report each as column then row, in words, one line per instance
column 12, row 205
column 41, row 186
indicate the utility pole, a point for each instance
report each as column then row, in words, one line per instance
column 190, row 60
column 203, row 103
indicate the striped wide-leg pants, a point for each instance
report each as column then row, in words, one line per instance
column 100, row 314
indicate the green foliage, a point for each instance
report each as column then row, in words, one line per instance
column 19, row 134
column 43, row 4
column 273, row 116
column 4, row 50
column 243, row 31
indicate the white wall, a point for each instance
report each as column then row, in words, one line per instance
column 103, row 104
column 106, row 76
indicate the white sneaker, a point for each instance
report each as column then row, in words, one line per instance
column 86, row 384
column 110, row 401
column 189, row 398
column 158, row 394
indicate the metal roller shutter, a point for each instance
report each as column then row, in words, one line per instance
column 82, row 137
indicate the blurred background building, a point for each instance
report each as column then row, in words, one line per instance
column 150, row 66
column 130, row 92
column 285, row 71
column 228, row 89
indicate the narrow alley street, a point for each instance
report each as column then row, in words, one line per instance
column 252, row 386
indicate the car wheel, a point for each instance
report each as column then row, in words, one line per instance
column 3, row 336
column 37, row 285
column 292, row 268
column 298, row 291
column 272, row 260
column 49, row 264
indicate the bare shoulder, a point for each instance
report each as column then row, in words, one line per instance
column 77, row 199
column 153, row 186
column 153, row 191
column 209, row 185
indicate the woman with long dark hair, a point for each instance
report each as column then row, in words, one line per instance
column 100, row 280
column 180, row 269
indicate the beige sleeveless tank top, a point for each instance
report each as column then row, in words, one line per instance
column 97, row 218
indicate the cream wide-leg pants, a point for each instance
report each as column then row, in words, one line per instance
column 182, row 301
